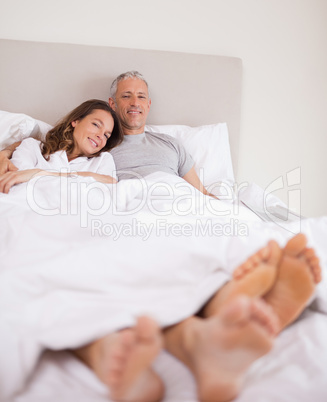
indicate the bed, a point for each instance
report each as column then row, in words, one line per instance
column 196, row 98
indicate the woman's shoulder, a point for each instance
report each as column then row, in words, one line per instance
column 31, row 142
column 106, row 155
column 30, row 145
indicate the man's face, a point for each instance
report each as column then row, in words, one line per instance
column 132, row 105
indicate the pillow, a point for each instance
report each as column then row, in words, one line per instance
column 14, row 127
column 42, row 129
column 17, row 126
column 209, row 147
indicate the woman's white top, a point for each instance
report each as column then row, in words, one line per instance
column 28, row 156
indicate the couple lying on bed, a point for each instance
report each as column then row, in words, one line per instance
column 238, row 324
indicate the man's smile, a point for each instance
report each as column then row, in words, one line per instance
column 133, row 111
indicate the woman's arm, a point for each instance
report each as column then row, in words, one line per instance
column 102, row 178
column 10, row 179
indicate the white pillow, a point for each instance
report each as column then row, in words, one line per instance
column 17, row 126
column 209, row 147
column 42, row 129
column 14, row 127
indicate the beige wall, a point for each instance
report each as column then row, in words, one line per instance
column 283, row 44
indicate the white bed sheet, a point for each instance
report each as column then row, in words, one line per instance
column 295, row 370
column 55, row 274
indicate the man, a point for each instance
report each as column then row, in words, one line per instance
column 143, row 153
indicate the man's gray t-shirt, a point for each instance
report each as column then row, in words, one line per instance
column 146, row 153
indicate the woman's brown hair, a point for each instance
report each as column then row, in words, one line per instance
column 60, row 137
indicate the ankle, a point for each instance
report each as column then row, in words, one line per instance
column 220, row 391
column 148, row 388
column 189, row 339
column 156, row 390
column 179, row 339
column 84, row 354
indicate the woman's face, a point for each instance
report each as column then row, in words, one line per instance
column 91, row 133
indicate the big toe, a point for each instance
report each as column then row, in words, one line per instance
column 275, row 252
column 146, row 328
column 296, row 245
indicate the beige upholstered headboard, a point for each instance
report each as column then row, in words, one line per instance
column 46, row 80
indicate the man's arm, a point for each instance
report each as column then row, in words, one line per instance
column 192, row 178
column 5, row 155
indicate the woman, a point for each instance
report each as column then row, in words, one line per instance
column 76, row 143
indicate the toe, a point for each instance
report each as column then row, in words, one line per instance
column 248, row 265
column 127, row 337
column 314, row 261
column 239, row 271
column 255, row 260
column 296, row 245
column 275, row 252
column 146, row 329
column 243, row 269
column 265, row 252
column 316, row 271
column 309, row 253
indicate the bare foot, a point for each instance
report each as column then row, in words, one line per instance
column 261, row 259
column 298, row 274
column 220, row 349
column 254, row 278
column 122, row 360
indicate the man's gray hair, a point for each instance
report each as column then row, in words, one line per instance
column 124, row 76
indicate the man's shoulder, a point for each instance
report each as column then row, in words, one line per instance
column 162, row 137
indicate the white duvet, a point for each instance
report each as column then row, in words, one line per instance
column 72, row 271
